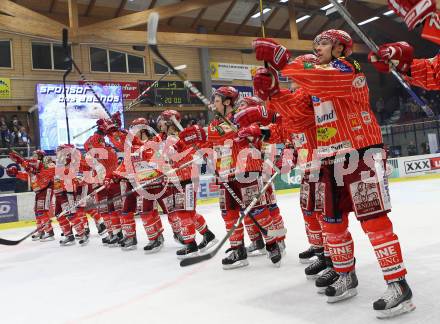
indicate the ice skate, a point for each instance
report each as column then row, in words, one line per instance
column 116, row 239
column 282, row 245
column 256, row 248
column 313, row 270
column 129, row 243
column 208, row 241
column 274, row 253
column 395, row 301
column 189, row 250
column 307, row 256
column 327, row 278
column 155, row 245
column 343, row 288
column 47, row 236
column 102, row 230
column 83, row 240
column 236, row 259
column 37, row 236
column 68, row 240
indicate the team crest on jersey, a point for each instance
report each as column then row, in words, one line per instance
column 341, row 66
column 366, row 117
column 359, row 82
column 324, row 134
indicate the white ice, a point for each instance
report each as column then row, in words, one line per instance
column 45, row 283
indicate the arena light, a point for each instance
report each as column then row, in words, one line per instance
column 258, row 13
column 329, row 6
column 282, row 1
column 302, row 18
column 388, row 13
column 368, row 20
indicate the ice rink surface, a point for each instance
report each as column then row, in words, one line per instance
column 44, row 283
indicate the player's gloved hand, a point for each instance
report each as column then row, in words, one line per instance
column 12, row 171
column 252, row 133
column 17, row 158
column 413, row 12
column 116, row 117
column 266, row 83
column 192, row 135
column 255, row 114
column 106, row 126
column 399, row 54
column 268, row 50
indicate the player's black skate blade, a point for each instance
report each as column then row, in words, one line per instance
column 396, row 301
column 129, row 244
column 274, row 254
column 207, row 242
column 49, row 236
column 314, row 270
column 308, row 255
column 236, row 259
column 68, row 240
column 343, row 288
column 102, row 230
column 256, row 248
column 327, row 278
column 188, row 251
column 196, row 259
column 84, row 240
column 154, row 246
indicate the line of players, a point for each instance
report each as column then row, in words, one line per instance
column 71, row 179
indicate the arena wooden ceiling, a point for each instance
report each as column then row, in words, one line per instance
column 212, row 23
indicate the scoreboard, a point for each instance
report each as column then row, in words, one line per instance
column 168, row 93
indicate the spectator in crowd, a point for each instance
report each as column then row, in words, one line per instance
column 202, row 120
column 185, row 120
column 4, row 133
column 15, row 122
column 380, row 106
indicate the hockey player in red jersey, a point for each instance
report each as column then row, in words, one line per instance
column 257, row 246
column 234, row 167
column 180, row 197
column 423, row 73
column 103, row 160
column 299, row 128
column 40, row 172
column 349, row 142
column 137, row 168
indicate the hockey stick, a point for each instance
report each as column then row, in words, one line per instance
column 15, row 242
column 138, row 100
column 68, row 70
column 153, row 21
column 373, row 47
column 210, row 255
column 81, row 75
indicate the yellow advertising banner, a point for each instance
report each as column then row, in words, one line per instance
column 5, row 88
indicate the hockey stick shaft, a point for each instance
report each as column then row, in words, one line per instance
column 200, row 258
column 68, row 70
column 153, row 21
column 373, row 47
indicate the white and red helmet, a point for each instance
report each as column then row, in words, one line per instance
column 337, row 37
column 138, row 121
column 39, row 154
column 249, row 101
column 227, row 93
column 168, row 114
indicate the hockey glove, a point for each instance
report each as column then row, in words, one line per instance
column 268, row 50
column 399, row 54
column 266, row 83
column 413, row 12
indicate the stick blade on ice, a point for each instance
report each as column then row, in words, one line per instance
column 153, row 22
column 197, row 259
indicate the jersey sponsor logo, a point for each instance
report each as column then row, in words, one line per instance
column 324, row 134
column 324, row 112
column 341, row 66
column 415, row 166
column 308, row 65
column 359, row 82
column 366, row 198
column 366, row 117
column 299, row 139
column 354, row 122
column 333, row 148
